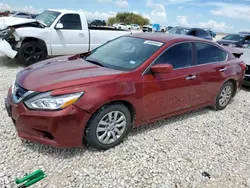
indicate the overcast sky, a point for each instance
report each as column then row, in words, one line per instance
column 220, row 15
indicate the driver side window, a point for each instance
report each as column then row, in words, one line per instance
column 179, row 55
column 71, row 22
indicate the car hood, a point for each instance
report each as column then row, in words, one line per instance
column 61, row 72
column 11, row 21
column 227, row 41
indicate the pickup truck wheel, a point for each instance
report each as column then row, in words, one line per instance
column 108, row 126
column 32, row 52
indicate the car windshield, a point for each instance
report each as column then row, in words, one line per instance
column 124, row 53
column 181, row 31
column 234, row 37
column 47, row 17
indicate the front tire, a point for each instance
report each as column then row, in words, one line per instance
column 108, row 126
column 224, row 96
column 32, row 52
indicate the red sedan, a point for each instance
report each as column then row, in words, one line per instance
column 97, row 97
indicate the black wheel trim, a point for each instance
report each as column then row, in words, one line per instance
column 32, row 54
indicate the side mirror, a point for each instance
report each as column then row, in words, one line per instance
column 59, row 26
column 162, row 68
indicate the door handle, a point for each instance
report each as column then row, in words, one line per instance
column 81, row 35
column 191, row 77
column 223, row 69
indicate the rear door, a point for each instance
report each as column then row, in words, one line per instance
column 175, row 91
column 72, row 38
column 212, row 64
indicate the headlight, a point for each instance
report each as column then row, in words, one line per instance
column 45, row 101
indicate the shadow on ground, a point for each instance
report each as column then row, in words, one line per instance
column 7, row 62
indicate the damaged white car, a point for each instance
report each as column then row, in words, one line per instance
column 51, row 33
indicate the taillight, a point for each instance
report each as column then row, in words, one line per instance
column 243, row 66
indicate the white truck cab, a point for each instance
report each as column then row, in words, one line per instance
column 51, row 33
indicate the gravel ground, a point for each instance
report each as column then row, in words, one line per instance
column 204, row 148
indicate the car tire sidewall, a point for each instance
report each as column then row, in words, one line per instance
column 90, row 131
column 218, row 106
column 25, row 45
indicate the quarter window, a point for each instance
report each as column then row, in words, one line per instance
column 71, row 22
column 207, row 53
column 179, row 56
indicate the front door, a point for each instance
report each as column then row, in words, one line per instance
column 174, row 91
column 72, row 38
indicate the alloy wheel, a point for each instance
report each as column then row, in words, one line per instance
column 111, row 127
column 225, row 96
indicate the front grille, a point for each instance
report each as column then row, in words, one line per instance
column 248, row 69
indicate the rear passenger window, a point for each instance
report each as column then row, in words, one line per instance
column 207, row 53
column 180, row 56
column 71, row 22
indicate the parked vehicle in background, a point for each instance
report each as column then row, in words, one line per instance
column 154, row 28
column 244, row 33
column 147, row 28
column 97, row 23
column 5, row 13
column 169, row 27
column 197, row 32
column 97, row 97
column 51, row 33
column 122, row 26
column 24, row 15
column 235, row 40
column 135, row 26
column 213, row 34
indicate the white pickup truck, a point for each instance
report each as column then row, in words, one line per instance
column 51, row 33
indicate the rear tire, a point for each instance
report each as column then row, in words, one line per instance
column 32, row 52
column 224, row 96
column 108, row 126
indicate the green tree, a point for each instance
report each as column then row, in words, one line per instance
column 129, row 18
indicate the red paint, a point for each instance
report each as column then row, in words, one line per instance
column 156, row 95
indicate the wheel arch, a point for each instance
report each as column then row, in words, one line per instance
column 234, row 82
column 33, row 39
column 126, row 103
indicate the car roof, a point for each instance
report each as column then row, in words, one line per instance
column 64, row 11
column 166, row 37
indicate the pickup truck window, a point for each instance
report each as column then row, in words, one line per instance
column 124, row 53
column 71, row 22
column 47, row 17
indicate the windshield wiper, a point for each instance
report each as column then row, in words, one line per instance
column 95, row 62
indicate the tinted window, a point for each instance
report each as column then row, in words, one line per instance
column 207, row 53
column 71, row 21
column 247, row 38
column 179, row 56
column 234, row 37
column 201, row 33
column 22, row 14
column 124, row 53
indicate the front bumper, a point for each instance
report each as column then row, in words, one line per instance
column 64, row 128
column 7, row 50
